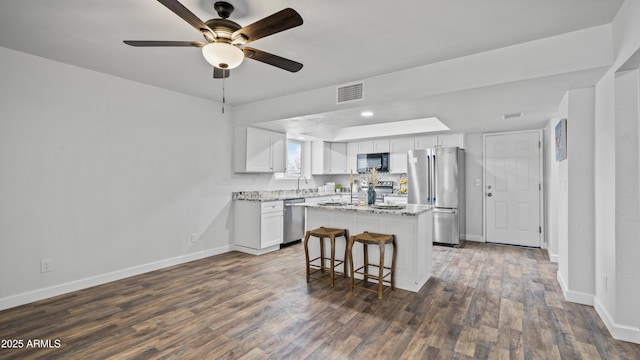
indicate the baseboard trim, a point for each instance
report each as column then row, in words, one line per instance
column 554, row 258
column 252, row 251
column 476, row 238
column 617, row 331
column 45, row 293
column 574, row 296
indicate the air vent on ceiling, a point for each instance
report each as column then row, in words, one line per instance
column 350, row 92
column 512, row 116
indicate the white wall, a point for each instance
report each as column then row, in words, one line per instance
column 573, row 206
column 556, row 215
column 605, row 163
column 104, row 176
column 581, row 192
column 475, row 193
column 613, row 287
column 627, row 197
column 575, row 51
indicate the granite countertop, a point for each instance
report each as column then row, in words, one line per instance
column 273, row 195
column 404, row 210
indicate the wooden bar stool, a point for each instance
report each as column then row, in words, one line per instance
column 322, row 233
column 367, row 238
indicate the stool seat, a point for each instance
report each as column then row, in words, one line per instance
column 366, row 238
column 325, row 233
column 373, row 238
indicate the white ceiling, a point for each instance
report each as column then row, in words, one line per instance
column 339, row 42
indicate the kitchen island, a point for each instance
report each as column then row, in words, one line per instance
column 411, row 224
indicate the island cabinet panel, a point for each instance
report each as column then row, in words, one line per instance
column 413, row 236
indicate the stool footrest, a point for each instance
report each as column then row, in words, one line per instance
column 373, row 276
column 326, row 267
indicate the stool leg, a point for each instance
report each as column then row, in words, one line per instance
column 322, row 254
column 333, row 259
column 365, row 246
column 306, row 251
column 380, row 270
column 346, row 238
column 350, row 251
column 393, row 263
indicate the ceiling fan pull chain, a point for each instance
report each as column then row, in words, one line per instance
column 224, row 74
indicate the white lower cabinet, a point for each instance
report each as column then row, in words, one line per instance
column 257, row 226
column 270, row 229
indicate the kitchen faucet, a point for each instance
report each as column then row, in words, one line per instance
column 305, row 181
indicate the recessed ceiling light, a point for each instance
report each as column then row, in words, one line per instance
column 367, row 113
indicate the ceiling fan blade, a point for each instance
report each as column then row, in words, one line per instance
column 187, row 16
column 280, row 21
column 271, row 59
column 220, row 73
column 163, row 43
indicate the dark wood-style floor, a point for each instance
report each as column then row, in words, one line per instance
column 483, row 302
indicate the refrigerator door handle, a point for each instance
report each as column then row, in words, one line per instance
column 429, row 190
column 434, row 186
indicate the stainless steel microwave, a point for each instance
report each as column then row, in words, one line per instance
column 378, row 161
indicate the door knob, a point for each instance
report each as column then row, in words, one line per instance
column 489, row 194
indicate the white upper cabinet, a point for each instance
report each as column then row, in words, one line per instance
column 451, row 140
column 425, row 142
column 433, row 141
column 365, row 147
column 329, row 158
column 259, row 150
column 380, row 145
column 373, row 146
column 341, row 158
column 352, row 156
column 338, row 158
column 317, row 157
column 278, row 152
column 398, row 148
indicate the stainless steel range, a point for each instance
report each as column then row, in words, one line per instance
column 383, row 188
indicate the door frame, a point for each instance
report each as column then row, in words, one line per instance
column 540, row 133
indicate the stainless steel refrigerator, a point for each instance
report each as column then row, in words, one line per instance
column 436, row 177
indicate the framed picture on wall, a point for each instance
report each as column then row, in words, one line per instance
column 561, row 140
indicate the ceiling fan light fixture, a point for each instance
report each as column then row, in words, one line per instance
column 222, row 55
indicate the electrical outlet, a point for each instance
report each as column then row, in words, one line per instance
column 194, row 237
column 46, row 265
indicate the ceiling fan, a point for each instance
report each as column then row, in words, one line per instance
column 225, row 48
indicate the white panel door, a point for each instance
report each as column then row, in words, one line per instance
column 512, row 188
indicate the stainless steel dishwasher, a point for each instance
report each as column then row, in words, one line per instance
column 293, row 221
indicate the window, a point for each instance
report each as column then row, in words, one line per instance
column 294, row 158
